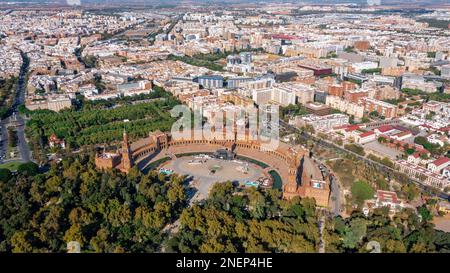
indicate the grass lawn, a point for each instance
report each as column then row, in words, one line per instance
column 12, row 166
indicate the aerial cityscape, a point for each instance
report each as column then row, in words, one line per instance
column 210, row 127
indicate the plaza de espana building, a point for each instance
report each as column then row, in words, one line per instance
column 288, row 161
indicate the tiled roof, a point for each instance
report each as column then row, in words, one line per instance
column 441, row 161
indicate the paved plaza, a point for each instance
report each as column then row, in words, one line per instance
column 207, row 172
column 382, row 150
column 275, row 163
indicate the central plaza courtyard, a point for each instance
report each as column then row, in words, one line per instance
column 206, row 171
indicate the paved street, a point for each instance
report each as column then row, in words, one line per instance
column 335, row 188
column 22, row 144
column 321, row 228
column 335, row 196
column 4, row 140
column 16, row 120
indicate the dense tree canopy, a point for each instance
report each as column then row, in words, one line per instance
column 95, row 126
column 404, row 232
column 433, row 148
column 7, row 91
column 103, row 211
column 250, row 220
column 107, row 211
column 236, row 220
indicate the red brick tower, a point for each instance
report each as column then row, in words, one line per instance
column 127, row 160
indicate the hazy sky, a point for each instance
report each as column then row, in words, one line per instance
column 234, row 1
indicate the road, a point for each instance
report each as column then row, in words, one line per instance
column 173, row 23
column 335, row 187
column 21, row 87
column 15, row 119
column 335, row 196
column 321, row 228
column 22, row 144
column 4, row 140
column 24, row 149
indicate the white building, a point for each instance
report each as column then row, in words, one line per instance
column 438, row 139
column 359, row 67
column 439, row 164
column 304, row 93
column 262, row 96
column 321, row 122
column 445, row 71
column 422, row 174
column 365, row 137
column 388, row 199
column 280, row 95
column 413, row 81
column 345, row 106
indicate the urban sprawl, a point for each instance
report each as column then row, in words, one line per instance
column 363, row 100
